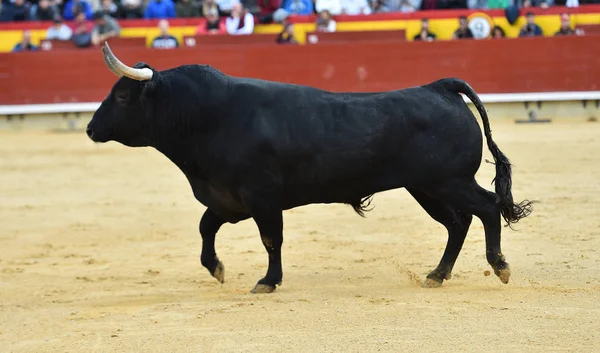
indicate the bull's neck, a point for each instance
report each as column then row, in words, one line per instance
column 185, row 150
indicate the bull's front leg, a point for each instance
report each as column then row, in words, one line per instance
column 209, row 226
column 265, row 209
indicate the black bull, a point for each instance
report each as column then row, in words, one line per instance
column 252, row 148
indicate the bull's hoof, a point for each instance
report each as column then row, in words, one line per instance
column 503, row 273
column 263, row 288
column 219, row 272
column 431, row 283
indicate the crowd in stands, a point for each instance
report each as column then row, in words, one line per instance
column 89, row 22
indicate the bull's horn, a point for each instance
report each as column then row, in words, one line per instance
column 120, row 69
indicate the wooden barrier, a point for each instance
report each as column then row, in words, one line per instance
column 117, row 42
column 591, row 29
column 355, row 36
column 224, row 39
column 542, row 64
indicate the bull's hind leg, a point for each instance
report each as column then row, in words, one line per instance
column 467, row 196
column 209, row 226
column 456, row 222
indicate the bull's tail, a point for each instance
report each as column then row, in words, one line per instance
column 511, row 212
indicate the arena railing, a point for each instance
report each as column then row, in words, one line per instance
column 90, row 107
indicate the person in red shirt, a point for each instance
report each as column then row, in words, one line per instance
column 213, row 24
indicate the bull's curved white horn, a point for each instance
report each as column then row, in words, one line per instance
column 120, row 69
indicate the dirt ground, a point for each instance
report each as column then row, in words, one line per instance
column 99, row 252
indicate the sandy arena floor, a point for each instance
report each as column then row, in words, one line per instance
column 99, row 252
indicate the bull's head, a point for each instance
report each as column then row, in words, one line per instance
column 121, row 116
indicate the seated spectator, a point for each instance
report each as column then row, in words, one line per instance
column 208, row 5
column 18, row 10
column 530, row 29
column 266, row 10
column 213, row 24
column 535, row 3
column 43, row 11
column 565, row 27
column 406, row 7
column 160, row 9
column 131, row 9
column 287, row 35
column 82, row 31
column 355, row 7
column 240, row 21
column 498, row 4
column 463, row 30
column 104, row 27
column 425, row 34
column 226, row 6
column 164, row 40
column 187, row 8
column 59, row 30
column 498, row 32
column 109, row 8
column 298, row 7
column 325, row 23
column 73, row 7
column 25, row 44
column 333, row 6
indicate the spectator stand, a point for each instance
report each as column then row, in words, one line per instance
column 443, row 23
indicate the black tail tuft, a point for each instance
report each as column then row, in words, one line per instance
column 511, row 212
column 361, row 206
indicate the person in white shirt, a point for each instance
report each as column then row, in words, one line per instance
column 355, row 7
column 325, row 23
column 240, row 21
column 333, row 6
column 59, row 30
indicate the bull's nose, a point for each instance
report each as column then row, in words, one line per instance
column 89, row 132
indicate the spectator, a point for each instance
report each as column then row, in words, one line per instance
column 109, row 8
column 355, row 7
column 298, row 7
column 463, row 30
column 82, row 31
column 187, row 8
column 498, row 32
column 333, row 6
column 266, row 10
column 535, row 3
column 425, row 34
column 406, row 7
column 287, row 35
column 565, row 27
column 208, row 5
column 43, row 11
column 164, row 40
column 226, row 6
column 325, row 23
column 530, row 29
column 240, row 21
column 104, row 27
column 131, row 9
column 160, row 9
column 18, row 10
column 73, row 7
column 498, row 4
column 59, row 30
column 25, row 44
column 213, row 24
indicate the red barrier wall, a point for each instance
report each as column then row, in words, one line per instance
column 490, row 66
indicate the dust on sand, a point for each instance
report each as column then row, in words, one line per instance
column 99, row 251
